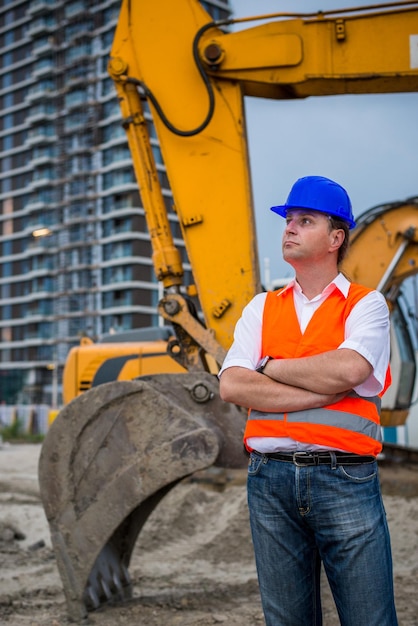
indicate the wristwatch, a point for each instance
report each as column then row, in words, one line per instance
column 263, row 364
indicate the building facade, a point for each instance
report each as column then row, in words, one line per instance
column 75, row 255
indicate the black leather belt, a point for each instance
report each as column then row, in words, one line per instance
column 318, row 458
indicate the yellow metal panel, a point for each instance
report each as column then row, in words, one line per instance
column 84, row 361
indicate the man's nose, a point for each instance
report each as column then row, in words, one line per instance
column 290, row 224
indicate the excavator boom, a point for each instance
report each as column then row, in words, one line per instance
column 202, row 130
column 117, row 449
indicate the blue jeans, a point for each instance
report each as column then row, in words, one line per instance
column 302, row 516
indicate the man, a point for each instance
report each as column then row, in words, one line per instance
column 311, row 362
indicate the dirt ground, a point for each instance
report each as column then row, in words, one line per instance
column 193, row 563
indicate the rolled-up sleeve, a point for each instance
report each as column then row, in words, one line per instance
column 367, row 331
column 246, row 347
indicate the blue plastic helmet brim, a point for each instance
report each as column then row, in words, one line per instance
column 282, row 210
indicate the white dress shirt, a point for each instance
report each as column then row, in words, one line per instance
column 366, row 332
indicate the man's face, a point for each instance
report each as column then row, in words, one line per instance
column 307, row 236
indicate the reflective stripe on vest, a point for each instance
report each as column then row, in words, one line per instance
column 353, row 423
column 335, row 428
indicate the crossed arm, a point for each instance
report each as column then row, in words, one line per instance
column 296, row 384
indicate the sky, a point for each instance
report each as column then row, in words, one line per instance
column 367, row 143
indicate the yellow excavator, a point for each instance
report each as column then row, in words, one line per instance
column 116, row 449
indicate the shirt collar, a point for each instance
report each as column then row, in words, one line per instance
column 340, row 282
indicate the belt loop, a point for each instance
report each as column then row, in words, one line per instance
column 333, row 460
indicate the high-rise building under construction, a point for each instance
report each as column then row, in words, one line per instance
column 75, row 256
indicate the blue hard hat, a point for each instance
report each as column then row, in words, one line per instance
column 319, row 194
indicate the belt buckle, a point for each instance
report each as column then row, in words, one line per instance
column 303, row 455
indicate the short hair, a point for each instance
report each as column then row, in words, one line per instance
column 337, row 224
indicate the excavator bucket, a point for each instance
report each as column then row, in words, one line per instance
column 111, row 456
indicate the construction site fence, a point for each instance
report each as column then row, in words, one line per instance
column 29, row 419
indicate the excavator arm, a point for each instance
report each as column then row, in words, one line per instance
column 115, row 451
column 383, row 255
column 201, row 130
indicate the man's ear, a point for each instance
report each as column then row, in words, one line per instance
column 337, row 238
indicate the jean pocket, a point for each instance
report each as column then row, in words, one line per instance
column 254, row 464
column 359, row 473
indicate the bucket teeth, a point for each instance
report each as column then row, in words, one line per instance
column 117, row 584
column 109, row 580
column 91, row 599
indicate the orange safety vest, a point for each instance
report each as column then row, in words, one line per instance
column 353, row 423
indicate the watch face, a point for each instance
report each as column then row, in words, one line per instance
column 263, row 364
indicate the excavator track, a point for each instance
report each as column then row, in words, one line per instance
column 109, row 458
